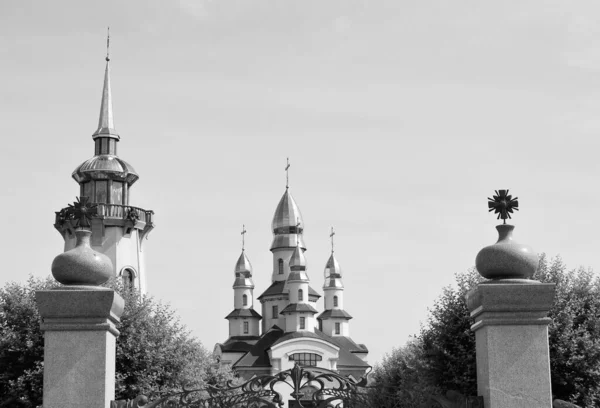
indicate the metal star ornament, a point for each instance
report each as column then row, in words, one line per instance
column 503, row 204
column 81, row 211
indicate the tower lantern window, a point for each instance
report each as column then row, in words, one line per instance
column 245, row 300
column 300, row 295
column 280, row 266
column 335, row 301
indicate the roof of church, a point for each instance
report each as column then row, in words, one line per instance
column 334, row 313
column 298, row 307
column 276, row 288
column 244, row 313
column 257, row 354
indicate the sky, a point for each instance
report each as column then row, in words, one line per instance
column 399, row 119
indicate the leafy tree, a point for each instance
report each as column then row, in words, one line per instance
column 155, row 352
column 21, row 344
column 442, row 356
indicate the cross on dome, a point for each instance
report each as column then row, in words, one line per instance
column 243, row 236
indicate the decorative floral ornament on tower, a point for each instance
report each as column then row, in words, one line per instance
column 82, row 265
column 506, row 259
column 503, row 204
column 81, row 212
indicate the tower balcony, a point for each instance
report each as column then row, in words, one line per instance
column 110, row 215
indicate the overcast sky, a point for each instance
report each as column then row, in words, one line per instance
column 399, row 119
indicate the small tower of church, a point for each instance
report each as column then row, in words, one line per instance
column 119, row 229
column 334, row 321
column 243, row 320
column 299, row 314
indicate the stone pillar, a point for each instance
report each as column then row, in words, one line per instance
column 79, row 323
column 511, row 325
column 511, row 331
column 79, row 345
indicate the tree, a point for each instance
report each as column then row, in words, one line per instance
column 21, row 344
column 442, row 355
column 155, row 352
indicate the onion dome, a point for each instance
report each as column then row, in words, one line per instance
column 298, row 261
column 243, row 272
column 287, row 225
column 243, row 265
column 103, row 164
column 298, row 266
column 333, row 274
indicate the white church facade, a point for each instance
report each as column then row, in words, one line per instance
column 289, row 328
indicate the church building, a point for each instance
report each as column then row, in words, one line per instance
column 289, row 328
column 106, row 180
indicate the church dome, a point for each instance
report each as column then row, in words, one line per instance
column 332, row 268
column 105, row 163
column 298, row 261
column 243, row 265
column 287, row 218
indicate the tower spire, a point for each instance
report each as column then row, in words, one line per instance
column 106, row 126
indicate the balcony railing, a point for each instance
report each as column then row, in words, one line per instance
column 124, row 212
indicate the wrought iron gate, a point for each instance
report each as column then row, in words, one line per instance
column 295, row 388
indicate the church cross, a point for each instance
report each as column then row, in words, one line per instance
column 243, row 236
column 331, row 236
column 287, row 167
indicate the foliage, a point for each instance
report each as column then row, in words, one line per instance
column 155, row 352
column 442, row 356
column 21, row 344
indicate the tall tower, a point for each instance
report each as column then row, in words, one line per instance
column 299, row 314
column 119, row 229
column 243, row 320
column 334, row 321
column 287, row 227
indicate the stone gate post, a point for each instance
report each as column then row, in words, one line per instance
column 511, row 326
column 78, row 321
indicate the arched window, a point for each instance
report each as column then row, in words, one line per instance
column 280, row 266
column 335, row 301
column 245, row 300
column 300, row 295
column 306, row 359
column 128, row 279
column 337, row 328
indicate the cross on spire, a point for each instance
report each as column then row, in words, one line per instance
column 331, row 236
column 108, row 44
column 243, row 236
column 287, row 167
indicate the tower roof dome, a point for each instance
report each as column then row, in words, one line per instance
column 298, row 261
column 332, row 268
column 243, row 265
column 287, row 218
column 105, row 163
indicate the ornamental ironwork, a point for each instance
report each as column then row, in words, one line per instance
column 298, row 387
column 503, row 204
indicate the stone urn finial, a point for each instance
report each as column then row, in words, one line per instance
column 82, row 265
column 506, row 259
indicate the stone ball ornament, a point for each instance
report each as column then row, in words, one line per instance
column 506, row 259
column 82, row 265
